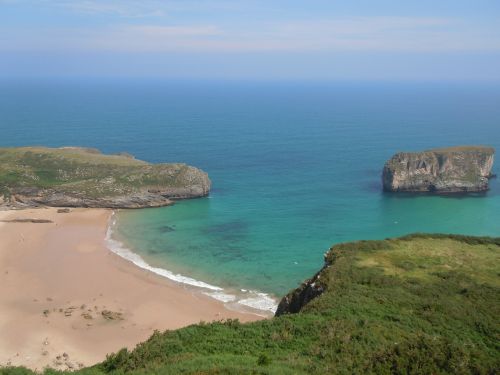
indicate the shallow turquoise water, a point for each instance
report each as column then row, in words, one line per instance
column 295, row 167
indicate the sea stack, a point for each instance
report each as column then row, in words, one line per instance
column 463, row 169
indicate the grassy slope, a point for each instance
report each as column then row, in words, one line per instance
column 84, row 171
column 419, row 304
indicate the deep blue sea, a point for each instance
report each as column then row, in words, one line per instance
column 295, row 167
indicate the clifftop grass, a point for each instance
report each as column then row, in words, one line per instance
column 84, row 172
column 420, row 304
column 484, row 149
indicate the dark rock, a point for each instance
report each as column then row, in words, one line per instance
column 166, row 229
column 111, row 315
column 294, row 301
column 35, row 221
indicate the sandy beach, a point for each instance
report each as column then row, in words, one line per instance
column 66, row 300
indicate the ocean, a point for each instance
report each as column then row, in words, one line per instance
column 295, row 167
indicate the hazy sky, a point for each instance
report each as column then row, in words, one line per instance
column 243, row 39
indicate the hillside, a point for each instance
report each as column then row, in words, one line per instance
column 80, row 177
column 420, row 304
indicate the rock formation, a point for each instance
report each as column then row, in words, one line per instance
column 311, row 288
column 79, row 177
column 294, row 301
column 448, row 170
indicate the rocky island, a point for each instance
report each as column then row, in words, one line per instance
column 463, row 169
column 82, row 177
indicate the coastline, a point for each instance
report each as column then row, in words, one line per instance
column 244, row 299
column 67, row 300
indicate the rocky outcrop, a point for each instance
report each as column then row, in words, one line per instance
column 294, row 301
column 23, row 198
column 31, row 221
column 78, row 177
column 449, row 170
column 311, row 288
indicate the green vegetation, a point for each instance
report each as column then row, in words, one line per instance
column 444, row 150
column 420, row 304
column 88, row 174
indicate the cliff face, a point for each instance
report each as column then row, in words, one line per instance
column 294, row 301
column 449, row 170
column 311, row 288
column 77, row 177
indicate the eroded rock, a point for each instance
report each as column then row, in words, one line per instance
column 462, row 169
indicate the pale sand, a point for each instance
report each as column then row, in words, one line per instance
column 65, row 270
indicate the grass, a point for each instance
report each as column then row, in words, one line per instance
column 420, row 304
column 485, row 149
column 85, row 172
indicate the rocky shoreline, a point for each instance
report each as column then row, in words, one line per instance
column 80, row 177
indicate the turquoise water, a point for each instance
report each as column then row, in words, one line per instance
column 295, row 166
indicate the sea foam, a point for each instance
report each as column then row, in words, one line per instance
column 260, row 301
column 224, row 297
column 119, row 248
column 253, row 299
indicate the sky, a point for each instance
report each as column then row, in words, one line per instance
column 448, row 40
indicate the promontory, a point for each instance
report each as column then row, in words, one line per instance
column 83, row 177
column 463, row 169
